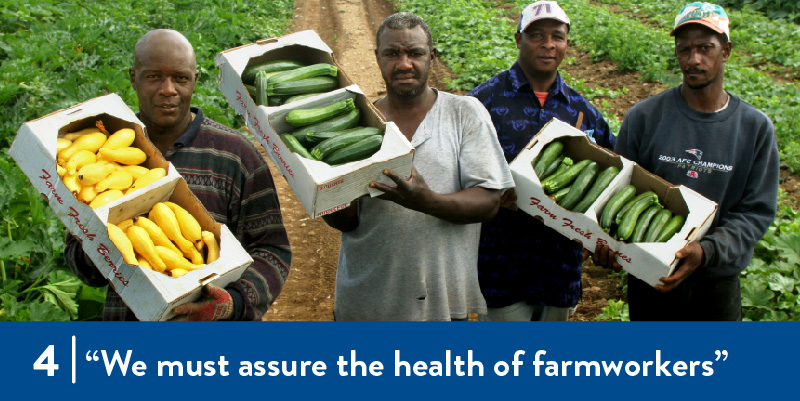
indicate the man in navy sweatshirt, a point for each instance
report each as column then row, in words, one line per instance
column 707, row 139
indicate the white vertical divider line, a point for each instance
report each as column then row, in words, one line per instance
column 73, row 360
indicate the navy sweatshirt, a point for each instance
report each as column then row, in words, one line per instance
column 730, row 157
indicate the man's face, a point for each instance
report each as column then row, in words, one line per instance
column 542, row 45
column 700, row 55
column 405, row 59
column 164, row 80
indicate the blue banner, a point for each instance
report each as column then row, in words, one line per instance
column 474, row 360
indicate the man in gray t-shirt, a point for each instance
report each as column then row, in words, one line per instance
column 411, row 254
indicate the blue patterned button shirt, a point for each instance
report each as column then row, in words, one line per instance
column 521, row 259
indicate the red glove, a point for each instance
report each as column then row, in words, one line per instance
column 214, row 304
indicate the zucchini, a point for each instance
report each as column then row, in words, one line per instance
column 355, row 152
column 317, row 137
column 560, row 194
column 310, row 71
column 261, row 88
column 600, row 184
column 564, row 166
column 328, row 146
column 273, row 101
column 303, row 86
column 614, row 204
column 566, row 178
column 300, row 97
column 251, row 90
column 249, row 73
column 303, row 117
column 643, row 222
column 671, row 228
column 628, row 222
column 294, row 145
column 581, row 184
column 549, row 154
column 658, row 222
column 338, row 123
column 553, row 167
column 628, row 205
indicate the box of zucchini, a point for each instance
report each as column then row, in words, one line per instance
column 259, row 77
column 330, row 147
column 594, row 196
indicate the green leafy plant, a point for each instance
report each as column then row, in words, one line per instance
column 615, row 311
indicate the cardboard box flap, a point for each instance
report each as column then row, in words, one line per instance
column 247, row 52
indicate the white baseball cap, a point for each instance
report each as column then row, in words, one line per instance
column 541, row 10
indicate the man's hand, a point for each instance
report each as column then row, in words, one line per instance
column 509, row 200
column 603, row 256
column 412, row 193
column 214, row 304
column 692, row 255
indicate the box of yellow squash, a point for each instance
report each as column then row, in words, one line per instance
column 86, row 194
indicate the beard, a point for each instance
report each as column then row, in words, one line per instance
column 700, row 85
column 409, row 90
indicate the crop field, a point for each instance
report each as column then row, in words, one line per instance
column 54, row 55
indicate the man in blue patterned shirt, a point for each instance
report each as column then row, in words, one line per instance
column 526, row 270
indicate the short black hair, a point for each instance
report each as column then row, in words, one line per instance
column 404, row 20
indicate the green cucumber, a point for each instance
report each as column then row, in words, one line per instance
column 566, row 178
column 355, row 152
column 299, row 97
column 627, row 206
column 553, row 167
column 643, row 222
column 328, row 146
column 671, row 228
column 338, row 123
column 564, row 166
column 600, row 184
column 614, row 204
column 261, row 89
column 549, row 154
column 309, row 71
column 251, row 90
column 249, row 73
column 303, row 86
column 294, row 145
column 658, row 222
column 560, row 194
column 628, row 222
column 302, row 117
column 581, row 184
column 316, row 137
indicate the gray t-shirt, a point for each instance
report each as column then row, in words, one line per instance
column 400, row 264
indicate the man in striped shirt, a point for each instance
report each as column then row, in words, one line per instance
column 224, row 171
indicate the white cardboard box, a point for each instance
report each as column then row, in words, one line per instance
column 321, row 189
column 149, row 294
column 646, row 261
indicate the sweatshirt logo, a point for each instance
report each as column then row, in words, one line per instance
column 696, row 153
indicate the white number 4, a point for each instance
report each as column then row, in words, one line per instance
column 45, row 361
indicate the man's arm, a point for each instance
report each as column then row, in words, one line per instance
column 470, row 205
column 747, row 221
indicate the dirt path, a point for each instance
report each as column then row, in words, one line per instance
column 348, row 27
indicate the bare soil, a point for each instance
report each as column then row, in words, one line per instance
column 349, row 27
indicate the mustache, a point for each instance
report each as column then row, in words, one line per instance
column 693, row 71
column 405, row 74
